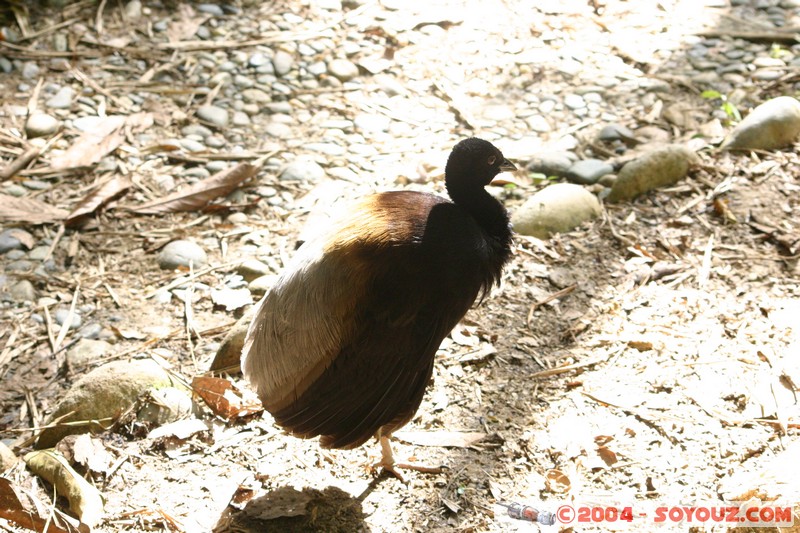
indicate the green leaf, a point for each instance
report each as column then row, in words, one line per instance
column 711, row 94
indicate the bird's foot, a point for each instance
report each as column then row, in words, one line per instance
column 388, row 465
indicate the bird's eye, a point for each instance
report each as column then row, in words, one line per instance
column 492, row 159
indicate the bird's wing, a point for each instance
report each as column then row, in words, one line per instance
column 300, row 326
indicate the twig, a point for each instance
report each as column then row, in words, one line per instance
column 181, row 280
column 98, row 19
column 621, row 238
column 68, row 321
column 705, row 268
column 33, row 101
column 22, row 161
column 86, row 80
column 48, row 323
column 112, row 294
column 50, row 29
column 562, row 369
column 56, row 239
column 537, row 304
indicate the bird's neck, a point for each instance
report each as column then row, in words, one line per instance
column 490, row 214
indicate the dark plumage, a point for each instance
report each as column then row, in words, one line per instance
column 342, row 347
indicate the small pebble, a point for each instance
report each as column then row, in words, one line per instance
column 61, row 315
column 574, row 101
column 256, row 96
column 213, row 115
column 588, row 171
column 342, row 69
column 282, row 62
column 192, row 145
column 181, row 253
column 39, row 253
column 30, row 70
column 133, row 10
column 211, row 9
column 41, row 125
column 258, row 60
column 240, row 118
column 22, row 291
column 62, row 99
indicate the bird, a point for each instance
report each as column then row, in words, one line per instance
column 342, row 346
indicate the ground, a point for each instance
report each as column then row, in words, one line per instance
column 649, row 356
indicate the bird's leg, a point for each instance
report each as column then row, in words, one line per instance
column 388, row 464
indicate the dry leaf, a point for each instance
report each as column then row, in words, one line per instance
column 187, row 24
column 221, row 396
column 465, row 335
column 231, row 299
column 91, row 453
column 556, row 481
column 201, row 193
column 101, row 195
column 444, row 439
column 26, row 515
column 608, row 456
column 13, row 209
column 25, row 238
column 104, row 138
column 84, row 500
column 180, row 429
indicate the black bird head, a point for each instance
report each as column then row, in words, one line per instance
column 475, row 162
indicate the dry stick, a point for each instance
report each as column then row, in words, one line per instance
column 705, row 268
column 32, row 409
column 112, row 294
column 50, row 29
column 67, row 323
column 181, row 280
column 566, row 368
column 38, row 54
column 98, row 19
column 56, row 239
column 48, row 322
column 537, row 304
column 213, row 94
column 621, row 238
column 33, row 101
column 7, row 348
column 86, row 80
column 188, row 313
column 22, row 161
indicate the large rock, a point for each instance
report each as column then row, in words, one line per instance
column 103, row 393
column 555, row 209
column 774, row 124
column 661, row 167
column 229, row 354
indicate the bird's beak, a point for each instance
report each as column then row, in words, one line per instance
column 507, row 166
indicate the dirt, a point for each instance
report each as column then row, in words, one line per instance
column 648, row 357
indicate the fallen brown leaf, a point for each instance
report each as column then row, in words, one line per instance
column 556, row 481
column 103, row 139
column 13, row 209
column 25, row 515
column 84, row 500
column 100, row 196
column 200, row 194
column 607, row 455
column 221, row 396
